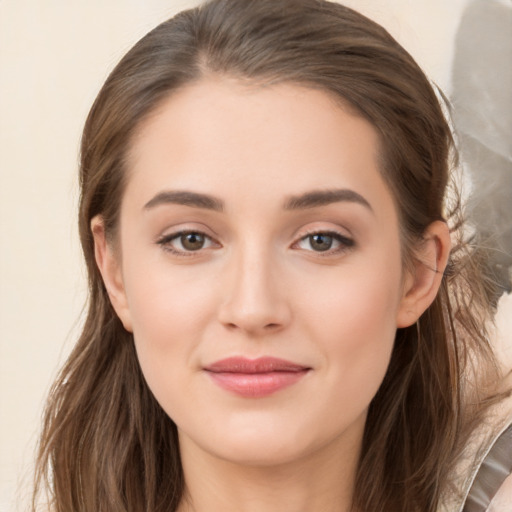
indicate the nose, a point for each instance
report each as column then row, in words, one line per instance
column 255, row 300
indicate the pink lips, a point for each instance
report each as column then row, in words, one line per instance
column 255, row 377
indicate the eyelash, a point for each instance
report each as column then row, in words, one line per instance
column 165, row 242
column 345, row 243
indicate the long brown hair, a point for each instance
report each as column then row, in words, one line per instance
column 107, row 445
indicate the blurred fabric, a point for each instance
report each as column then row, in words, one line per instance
column 482, row 102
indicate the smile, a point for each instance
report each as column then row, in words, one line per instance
column 255, row 378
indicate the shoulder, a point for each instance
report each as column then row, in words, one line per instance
column 491, row 488
column 482, row 479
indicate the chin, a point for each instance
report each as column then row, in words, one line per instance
column 263, row 441
column 261, row 452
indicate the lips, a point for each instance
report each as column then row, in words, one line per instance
column 255, row 378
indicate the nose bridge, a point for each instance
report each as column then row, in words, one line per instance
column 254, row 299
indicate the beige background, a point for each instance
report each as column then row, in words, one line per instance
column 54, row 56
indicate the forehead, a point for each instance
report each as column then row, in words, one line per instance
column 221, row 136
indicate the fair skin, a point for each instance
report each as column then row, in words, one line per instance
column 267, row 271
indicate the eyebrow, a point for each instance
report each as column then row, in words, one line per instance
column 312, row 199
column 186, row 198
column 317, row 198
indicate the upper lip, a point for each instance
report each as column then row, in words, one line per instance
column 259, row 365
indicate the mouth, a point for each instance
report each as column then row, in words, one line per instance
column 254, row 378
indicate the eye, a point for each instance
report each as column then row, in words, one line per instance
column 185, row 242
column 328, row 241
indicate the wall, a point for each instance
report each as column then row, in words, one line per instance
column 54, row 55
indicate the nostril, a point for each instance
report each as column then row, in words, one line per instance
column 268, row 327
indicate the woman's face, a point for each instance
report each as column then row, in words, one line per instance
column 256, row 224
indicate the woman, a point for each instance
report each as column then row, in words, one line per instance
column 277, row 319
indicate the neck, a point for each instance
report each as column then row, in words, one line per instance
column 321, row 480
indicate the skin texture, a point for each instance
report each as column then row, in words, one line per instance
column 503, row 498
column 260, row 287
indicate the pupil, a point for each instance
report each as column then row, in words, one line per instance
column 321, row 242
column 192, row 241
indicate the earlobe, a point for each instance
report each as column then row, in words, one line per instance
column 423, row 282
column 110, row 268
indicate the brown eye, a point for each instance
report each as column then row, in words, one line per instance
column 327, row 241
column 320, row 242
column 185, row 243
column 192, row 241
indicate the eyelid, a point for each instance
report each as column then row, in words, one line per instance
column 165, row 242
column 345, row 242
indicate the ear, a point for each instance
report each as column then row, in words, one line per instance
column 109, row 266
column 422, row 282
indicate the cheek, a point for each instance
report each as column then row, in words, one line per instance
column 161, row 304
column 169, row 311
column 354, row 320
column 356, row 305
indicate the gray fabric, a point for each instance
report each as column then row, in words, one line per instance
column 482, row 112
column 493, row 471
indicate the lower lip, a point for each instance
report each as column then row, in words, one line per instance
column 256, row 385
